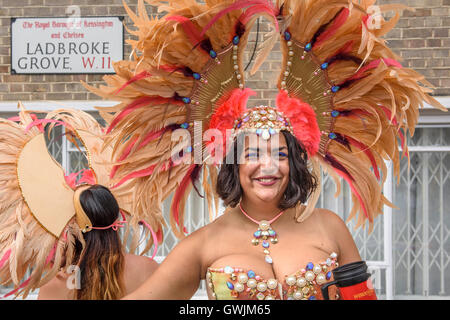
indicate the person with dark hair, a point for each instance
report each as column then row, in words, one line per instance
column 100, row 268
column 263, row 184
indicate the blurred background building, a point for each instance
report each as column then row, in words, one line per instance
column 409, row 249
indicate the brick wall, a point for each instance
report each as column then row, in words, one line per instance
column 422, row 38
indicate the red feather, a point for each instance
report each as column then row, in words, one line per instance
column 159, row 235
column 139, row 103
column 346, row 49
column 230, row 110
column 303, row 120
column 154, row 237
column 71, row 180
column 367, row 151
column 150, row 136
column 340, row 170
column 88, row 177
column 5, row 258
column 250, row 12
column 24, row 284
column 239, row 4
column 337, row 23
column 372, row 65
column 179, row 194
column 355, row 192
column 223, row 120
column 14, row 119
column 143, row 173
column 168, row 68
column 142, row 75
column 189, row 28
column 125, row 154
column 39, row 123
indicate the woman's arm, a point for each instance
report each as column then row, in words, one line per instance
column 178, row 276
column 348, row 252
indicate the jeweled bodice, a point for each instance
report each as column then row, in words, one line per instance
column 231, row 283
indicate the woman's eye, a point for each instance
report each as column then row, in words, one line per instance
column 252, row 155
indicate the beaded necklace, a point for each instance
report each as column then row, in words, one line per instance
column 264, row 233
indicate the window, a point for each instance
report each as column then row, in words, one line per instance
column 421, row 243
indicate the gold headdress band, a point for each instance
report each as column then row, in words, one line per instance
column 83, row 221
column 264, row 121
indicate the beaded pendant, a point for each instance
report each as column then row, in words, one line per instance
column 266, row 236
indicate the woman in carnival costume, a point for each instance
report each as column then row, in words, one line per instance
column 344, row 103
column 58, row 233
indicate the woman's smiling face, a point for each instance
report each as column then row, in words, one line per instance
column 264, row 168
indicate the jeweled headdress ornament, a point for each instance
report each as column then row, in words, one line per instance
column 264, row 121
column 345, row 95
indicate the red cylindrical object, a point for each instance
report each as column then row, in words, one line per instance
column 359, row 291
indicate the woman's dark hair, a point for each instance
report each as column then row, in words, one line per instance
column 101, row 261
column 302, row 182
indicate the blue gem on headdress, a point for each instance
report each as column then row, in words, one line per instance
column 272, row 131
column 328, row 275
column 287, row 36
column 187, row 100
column 332, row 135
column 213, row 54
column 308, row 47
column 335, row 113
column 257, row 234
column 335, row 89
column 236, row 40
column 312, row 298
column 251, row 274
column 265, row 244
column 309, row 266
column 185, row 125
column 189, row 149
column 324, row 65
column 196, row 76
column 230, row 285
column 258, row 131
column 239, row 125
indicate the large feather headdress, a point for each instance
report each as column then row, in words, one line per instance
column 346, row 95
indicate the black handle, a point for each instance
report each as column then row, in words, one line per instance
column 325, row 294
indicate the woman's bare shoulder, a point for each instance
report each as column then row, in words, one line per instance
column 336, row 227
column 142, row 263
column 55, row 289
column 328, row 219
column 137, row 270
